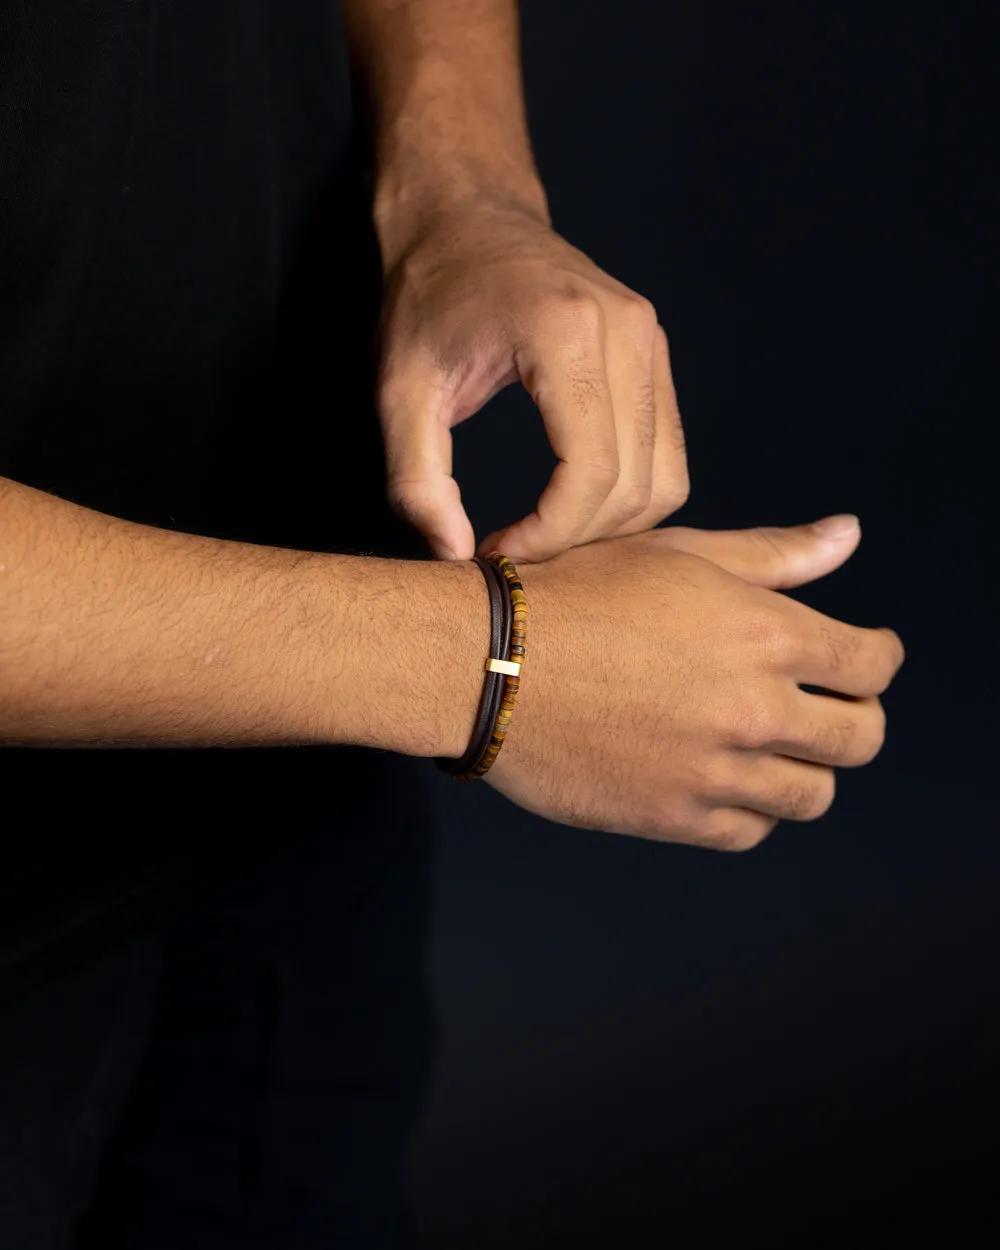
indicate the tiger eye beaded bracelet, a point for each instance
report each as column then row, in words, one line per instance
column 508, row 619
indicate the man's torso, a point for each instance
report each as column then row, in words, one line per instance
column 188, row 288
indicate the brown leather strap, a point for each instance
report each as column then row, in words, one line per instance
column 501, row 620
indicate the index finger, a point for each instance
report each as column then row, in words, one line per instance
column 563, row 369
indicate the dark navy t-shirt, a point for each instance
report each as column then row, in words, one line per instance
column 188, row 290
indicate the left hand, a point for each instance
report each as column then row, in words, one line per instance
column 488, row 295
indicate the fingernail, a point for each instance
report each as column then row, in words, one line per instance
column 839, row 526
column 441, row 552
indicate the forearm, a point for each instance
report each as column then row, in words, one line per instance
column 116, row 633
column 443, row 78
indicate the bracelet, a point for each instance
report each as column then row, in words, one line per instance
column 489, row 703
column 508, row 617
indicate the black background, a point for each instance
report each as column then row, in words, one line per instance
column 656, row 1046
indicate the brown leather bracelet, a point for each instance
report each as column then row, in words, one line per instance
column 512, row 664
column 501, row 621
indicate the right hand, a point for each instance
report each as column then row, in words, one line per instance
column 662, row 697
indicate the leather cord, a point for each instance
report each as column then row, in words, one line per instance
column 501, row 621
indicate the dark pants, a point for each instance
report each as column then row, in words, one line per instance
column 245, row 1075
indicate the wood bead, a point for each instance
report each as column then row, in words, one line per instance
column 519, row 604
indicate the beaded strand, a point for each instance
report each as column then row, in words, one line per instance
column 511, row 682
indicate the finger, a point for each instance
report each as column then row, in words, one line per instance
column 844, row 659
column 414, row 413
column 841, row 733
column 769, row 555
column 669, row 482
column 733, row 829
column 783, row 789
column 633, row 396
column 563, row 369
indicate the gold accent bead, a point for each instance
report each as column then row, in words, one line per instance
column 509, row 667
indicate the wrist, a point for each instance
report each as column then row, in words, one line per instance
column 405, row 642
column 407, row 210
column 420, row 191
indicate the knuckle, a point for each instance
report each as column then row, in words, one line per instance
column 681, row 491
column 729, row 838
column 756, row 723
column 899, row 651
column 779, row 640
column 577, row 313
column 890, row 658
column 839, row 740
column 827, row 792
column 399, row 492
column 717, row 778
column 660, row 509
column 671, row 495
column 602, row 469
column 839, row 649
column 832, row 658
column 880, row 681
column 809, row 802
column 769, row 553
column 639, row 312
column 874, row 739
column 736, row 837
column 878, row 729
column 404, row 501
column 660, row 823
column 633, row 500
column 416, row 500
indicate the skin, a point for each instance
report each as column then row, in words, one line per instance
column 680, row 715
column 680, row 719
column 674, row 711
column 119, row 634
column 481, row 292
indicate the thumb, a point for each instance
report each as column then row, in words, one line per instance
column 418, row 450
column 770, row 555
